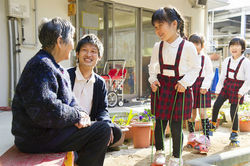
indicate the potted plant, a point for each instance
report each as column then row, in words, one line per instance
column 129, row 133
column 122, row 124
column 244, row 117
column 142, row 129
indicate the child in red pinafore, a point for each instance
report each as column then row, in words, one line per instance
column 234, row 82
column 202, row 98
column 173, row 68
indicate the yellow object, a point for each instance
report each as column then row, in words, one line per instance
column 71, row 9
column 235, row 131
column 69, row 160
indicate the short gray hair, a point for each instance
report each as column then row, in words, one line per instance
column 51, row 29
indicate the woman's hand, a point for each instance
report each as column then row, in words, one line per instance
column 203, row 91
column 179, row 88
column 84, row 122
column 239, row 96
column 155, row 85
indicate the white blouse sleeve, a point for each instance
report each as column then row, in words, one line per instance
column 193, row 64
column 208, row 71
column 154, row 66
column 246, row 85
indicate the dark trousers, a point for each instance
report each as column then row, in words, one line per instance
column 176, row 135
column 233, row 112
column 117, row 133
column 90, row 143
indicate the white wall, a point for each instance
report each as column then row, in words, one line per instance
column 45, row 8
column 48, row 9
column 4, row 61
column 183, row 7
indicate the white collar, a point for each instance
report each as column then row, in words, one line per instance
column 80, row 77
column 238, row 59
column 175, row 43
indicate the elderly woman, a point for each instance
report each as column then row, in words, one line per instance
column 46, row 116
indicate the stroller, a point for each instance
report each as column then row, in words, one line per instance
column 114, row 74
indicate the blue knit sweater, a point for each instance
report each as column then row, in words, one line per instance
column 44, row 104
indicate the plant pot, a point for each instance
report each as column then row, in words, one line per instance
column 141, row 134
column 129, row 133
column 244, row 126
column 121, row 140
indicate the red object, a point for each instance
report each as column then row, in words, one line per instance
column 153, row 164
column 163, row 105
column 121, row 74
column 111, row 74
column 232, row 86
column 14, row 157
column 5, row 108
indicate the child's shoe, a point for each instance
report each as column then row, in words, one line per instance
column 191, row 141
column 175, row 161
column 160, row 158
column 203, row 144
column 234, row 139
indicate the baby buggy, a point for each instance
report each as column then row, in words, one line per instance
column 114, row 74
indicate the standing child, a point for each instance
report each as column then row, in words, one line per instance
column 234, row 82
column 173, row 68
column 202, row 98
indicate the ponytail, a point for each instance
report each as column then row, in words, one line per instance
column 180, row 25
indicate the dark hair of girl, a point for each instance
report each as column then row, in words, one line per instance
column 168, row 15
column 238, row 41
column 194, row 38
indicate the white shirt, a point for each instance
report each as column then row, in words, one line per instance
column 207, row 73
column 83, row 90
column 243, row 74
column 189, row 62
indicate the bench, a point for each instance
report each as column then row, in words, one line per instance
column 13, row 157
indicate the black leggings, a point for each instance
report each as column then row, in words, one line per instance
column 176, row 134
column 233, row 112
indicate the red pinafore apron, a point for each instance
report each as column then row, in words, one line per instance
column 165, row 101
column 231, row 86
column 196, row 91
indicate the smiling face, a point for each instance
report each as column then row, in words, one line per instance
column 165, row 31
column 88, row 55
column 235, row 50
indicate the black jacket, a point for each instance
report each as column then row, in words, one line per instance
column 99, row 110
column 44, row 105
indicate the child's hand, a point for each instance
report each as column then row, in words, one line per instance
column 239, row 96
column 203, row 91
column 179, row 88
column 155, row 85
